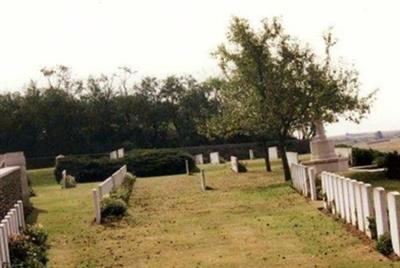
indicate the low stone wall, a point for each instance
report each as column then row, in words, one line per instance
column 10, row 188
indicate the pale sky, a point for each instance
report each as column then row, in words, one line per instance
column 162, row 37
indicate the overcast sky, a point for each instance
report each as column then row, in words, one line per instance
column 161, row 37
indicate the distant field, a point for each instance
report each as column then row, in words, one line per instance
column 252, row 219
column 386, row 146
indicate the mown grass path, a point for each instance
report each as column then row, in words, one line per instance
column 252, row 219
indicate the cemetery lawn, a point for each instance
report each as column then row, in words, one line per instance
column 253, row 219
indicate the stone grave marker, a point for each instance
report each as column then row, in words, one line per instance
column 234, row 164
column 214, row 158
column 198, row 158
column 273, row 153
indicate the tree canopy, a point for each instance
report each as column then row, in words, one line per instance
column 282, row 85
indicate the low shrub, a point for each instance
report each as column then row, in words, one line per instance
column 384, row 244
column 372, row 227
column 113, row 207
column 143, row 163
column 379, row 161
column 125, row 190
column 29, row 248
column 242, row 167
column 68, row 182
column 363, row 157
column 392, row 164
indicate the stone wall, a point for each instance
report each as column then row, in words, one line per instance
column 10, row 188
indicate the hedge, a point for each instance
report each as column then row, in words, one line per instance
column 363, row 157
column 142, row 163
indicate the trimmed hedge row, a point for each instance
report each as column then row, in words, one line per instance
column 363, row 157
column 390, row 161
column 142, row 163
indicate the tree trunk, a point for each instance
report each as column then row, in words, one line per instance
column 285, row 164
column 266, row 157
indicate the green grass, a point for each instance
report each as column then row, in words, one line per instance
column 251, row 219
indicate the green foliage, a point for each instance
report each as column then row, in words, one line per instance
column 142, row 163
column 101, row 113
column 125, row 190
column 29, row 249
column 392, row 164
column 68, row 182
column 362, row 157
column 372, row 227
column 242, row 166
column 116, row 204
column 281, row 84
column 379, row 161
column 384, row 244
column 112, row 207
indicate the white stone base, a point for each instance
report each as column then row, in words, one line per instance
column 329, row 165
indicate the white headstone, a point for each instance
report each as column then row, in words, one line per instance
column 366, row 193
column 341, row 197
column 113, row 155
column 273, row 153
column 234, row 164
column 394, row 220
column 381, row 217
column 214, row 158
column 251, row 154
column 313, row 188
column 292, row 158
column 347, row 211
column 352, row 202
column 198, row 158
column 120, row 153
column 359, row 205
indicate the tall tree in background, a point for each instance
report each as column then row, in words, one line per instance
column 289, row 86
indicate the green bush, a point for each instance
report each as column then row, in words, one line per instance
column 142, row 163
column 392, row 164
column 372, row 227
column 112, row 207
column 384, row 244
column 125, row 190
column 242, row 166
column 29, row 249
column 363, row 157
column 379, row 161
column 68, row 182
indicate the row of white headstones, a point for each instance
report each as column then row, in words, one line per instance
column 273, row 155
column 356, row 201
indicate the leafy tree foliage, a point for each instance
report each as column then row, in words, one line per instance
column 97, row 114
column 277, row 82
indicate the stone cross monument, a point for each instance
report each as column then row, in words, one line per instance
column 323, row 157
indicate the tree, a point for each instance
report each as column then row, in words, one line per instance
column 238, row 115
column 287, row 82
